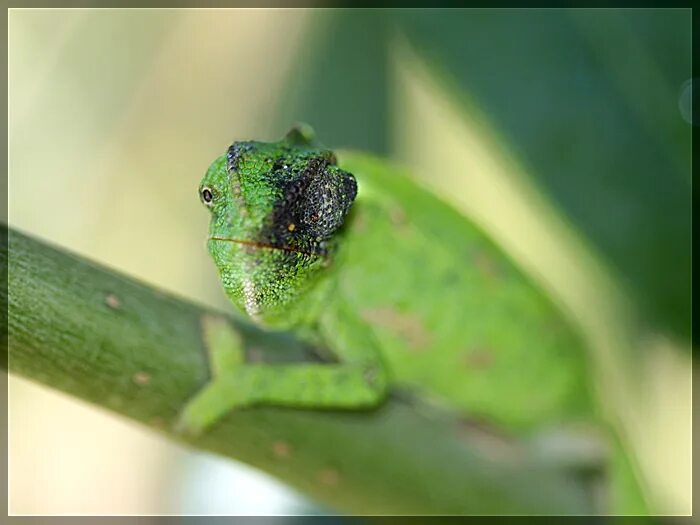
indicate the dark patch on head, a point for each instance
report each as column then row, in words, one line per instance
column 234, row 153
column 316, row 200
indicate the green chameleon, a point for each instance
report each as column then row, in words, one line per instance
column 398, row 288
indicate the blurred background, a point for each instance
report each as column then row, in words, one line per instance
column 565, row 134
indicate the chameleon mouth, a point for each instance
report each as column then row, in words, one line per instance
column 263, row 245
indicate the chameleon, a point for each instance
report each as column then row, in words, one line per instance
column 400, row 291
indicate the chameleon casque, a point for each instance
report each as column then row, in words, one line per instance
column 395, row 285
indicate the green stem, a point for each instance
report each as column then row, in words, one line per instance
column 137, row 351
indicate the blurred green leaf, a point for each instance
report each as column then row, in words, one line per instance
column 340, row 84
column 589, row 99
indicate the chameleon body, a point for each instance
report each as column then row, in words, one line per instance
column 397, row 287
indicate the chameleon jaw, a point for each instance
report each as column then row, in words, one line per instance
column 262, row 245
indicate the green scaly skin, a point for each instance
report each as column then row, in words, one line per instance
column 397, row 286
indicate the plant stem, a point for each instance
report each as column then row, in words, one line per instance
column 137, row 351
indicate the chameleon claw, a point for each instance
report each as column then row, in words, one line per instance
column 187, row 426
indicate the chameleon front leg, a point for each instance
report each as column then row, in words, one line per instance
column 357, row 381
column 225, row 352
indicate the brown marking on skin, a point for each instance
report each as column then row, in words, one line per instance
column 486, row 265
column 112, row 301
column 141, row 378
column 329, row 476
column 397, row 216
column 281, row 449
column 478, row 358
column 407, row 326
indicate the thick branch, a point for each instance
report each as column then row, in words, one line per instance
column 137, row 351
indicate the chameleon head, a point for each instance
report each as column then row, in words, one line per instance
column 275, row 210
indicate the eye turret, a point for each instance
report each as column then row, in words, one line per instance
column 313, row 206
column 206, row 195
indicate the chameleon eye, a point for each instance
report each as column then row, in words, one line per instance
column 207, row 196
